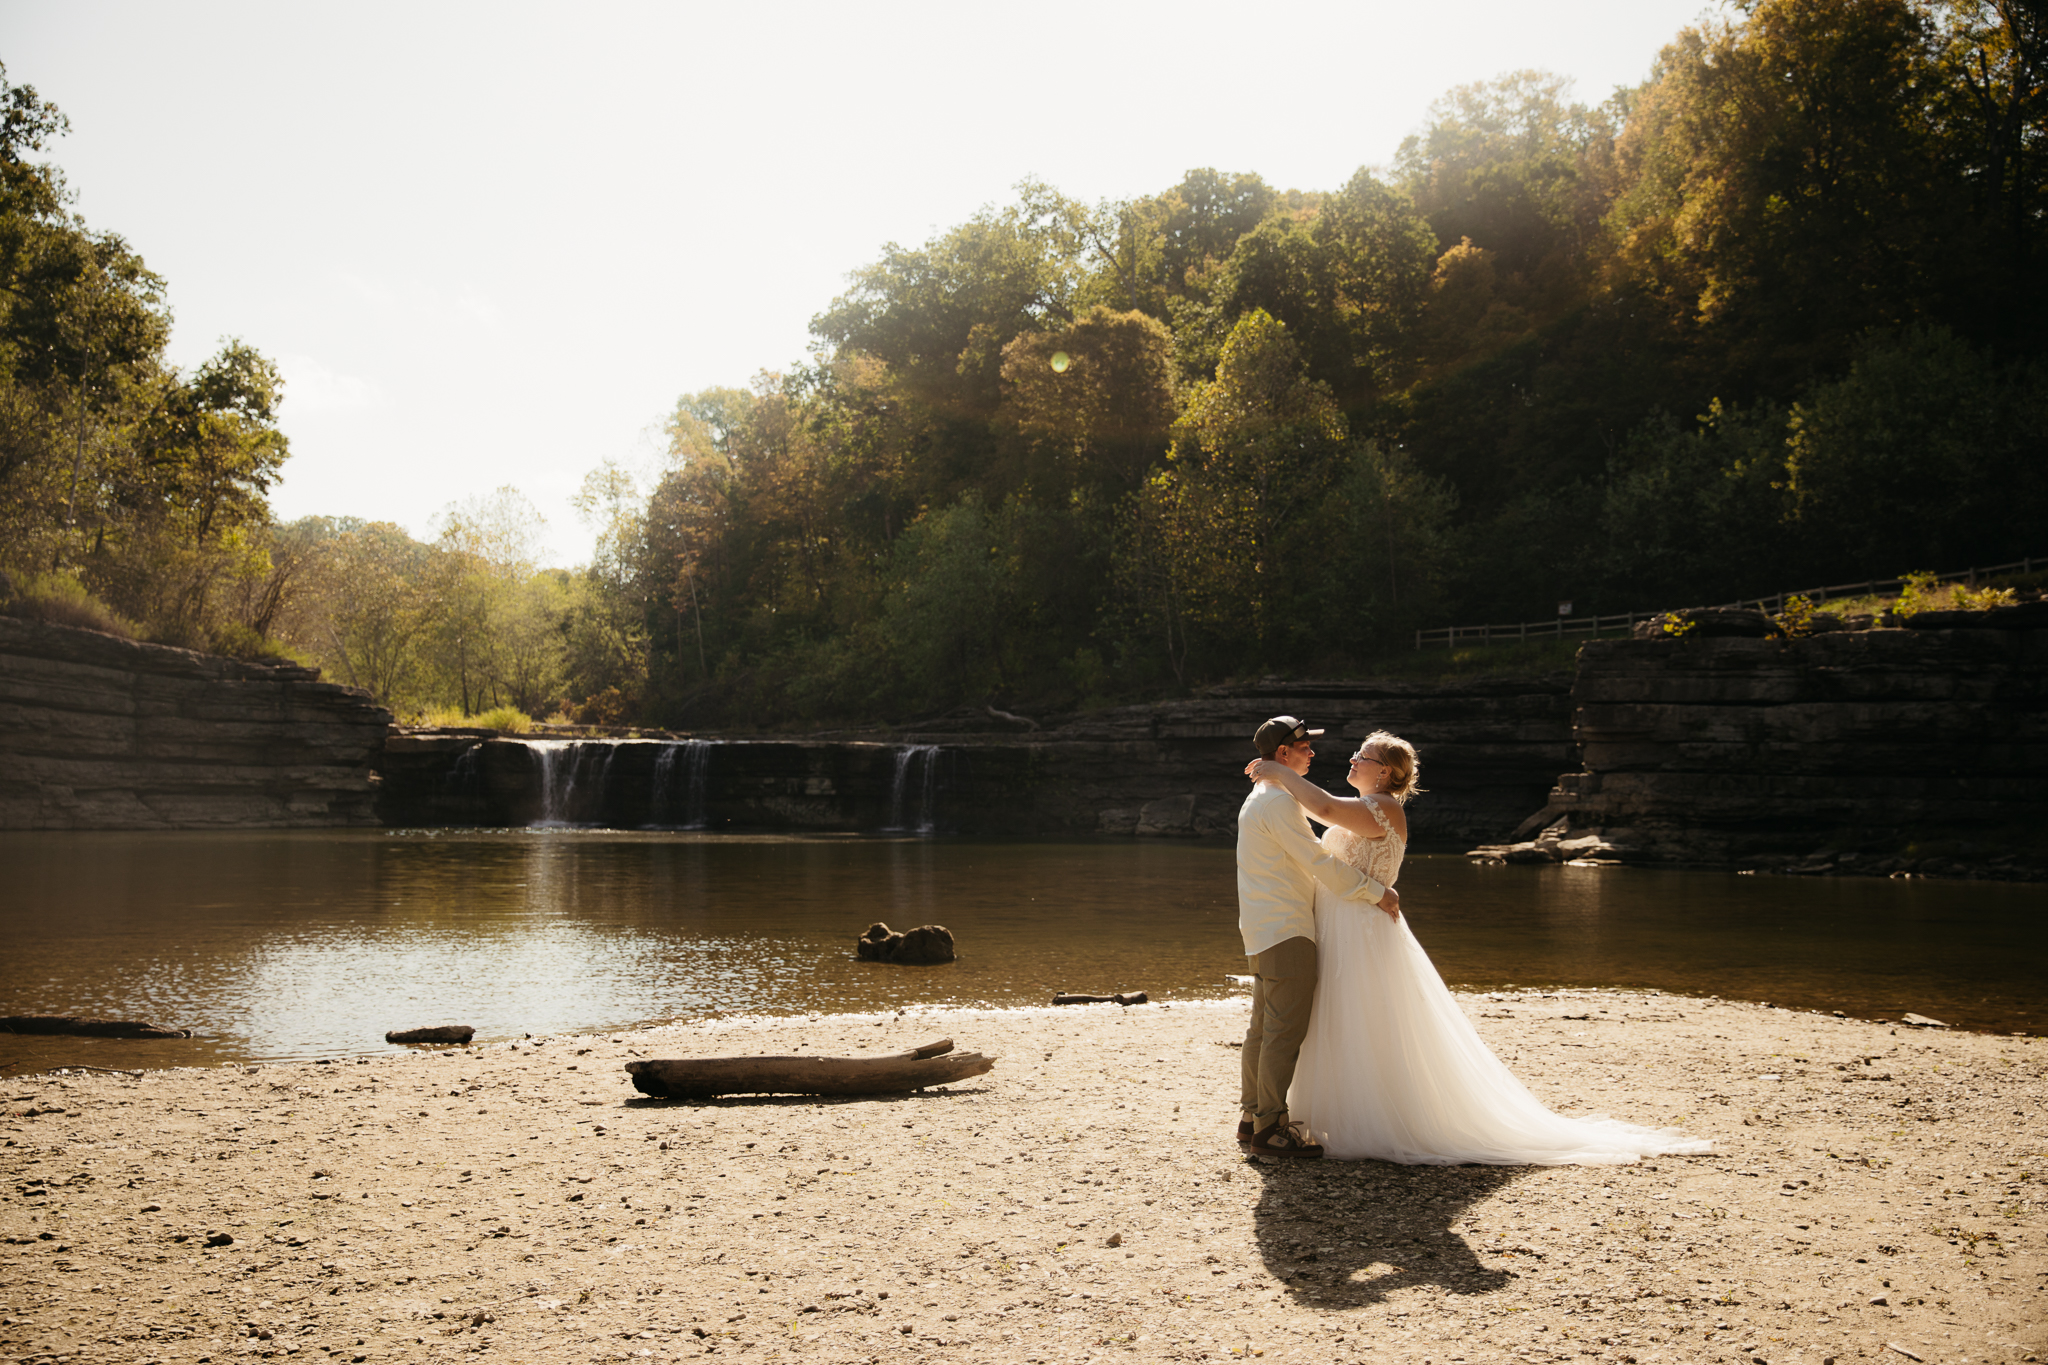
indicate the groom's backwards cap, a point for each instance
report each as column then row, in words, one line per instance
column 1281, row 730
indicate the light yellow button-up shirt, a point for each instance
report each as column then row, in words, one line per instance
column 1279, row 863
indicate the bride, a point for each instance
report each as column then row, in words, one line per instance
column 1392, row 1068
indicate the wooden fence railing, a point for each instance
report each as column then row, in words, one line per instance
column 1559, row 627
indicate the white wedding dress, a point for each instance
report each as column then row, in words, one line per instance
column 1392, row 1069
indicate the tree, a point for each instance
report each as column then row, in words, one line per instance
column 369, row 610
column 1203, row 217
column 1515, row 168
column 1254, row 451
column 1098, row 392
column 1927, row 451
column 1994, row 110
column 491, row 622
column 938, row 315
column 1378, row 258
column 1783, row 187
column 1697, row 512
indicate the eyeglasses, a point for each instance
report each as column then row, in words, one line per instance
column 1366, row 758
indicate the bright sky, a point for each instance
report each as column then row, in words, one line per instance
column 493, row 243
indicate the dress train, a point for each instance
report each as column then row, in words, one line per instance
column 1393, row 1069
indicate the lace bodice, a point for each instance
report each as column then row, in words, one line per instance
column 1379, row 859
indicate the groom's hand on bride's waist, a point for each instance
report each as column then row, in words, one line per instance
column 1390, row 902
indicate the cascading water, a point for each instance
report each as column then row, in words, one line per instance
column 659, row 813
column 549, row 754
column 662, row 812
column 698, row 771
column 566, row 766
column 917, row 765
column 466, row 777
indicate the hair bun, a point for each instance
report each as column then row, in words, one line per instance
column 1404, row 769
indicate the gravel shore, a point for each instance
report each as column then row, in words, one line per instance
column 1874, row 1193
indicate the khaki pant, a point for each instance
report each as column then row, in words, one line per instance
column 1283, row 990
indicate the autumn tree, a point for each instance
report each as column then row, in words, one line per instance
column 1097, row 394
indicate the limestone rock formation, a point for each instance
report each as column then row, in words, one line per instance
column 98, row 732
column 1829, row 753
column 1701, row 623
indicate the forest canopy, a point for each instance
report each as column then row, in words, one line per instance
column 1773, row 316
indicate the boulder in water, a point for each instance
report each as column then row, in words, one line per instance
column 926, row 944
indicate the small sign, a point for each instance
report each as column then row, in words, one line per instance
column 1564, row 608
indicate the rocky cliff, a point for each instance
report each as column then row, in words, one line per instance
column 103, row 733
column 1177, row 767
column 1490, row 749
column 1880, row 750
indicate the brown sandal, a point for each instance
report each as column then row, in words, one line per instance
column 1244, row 1132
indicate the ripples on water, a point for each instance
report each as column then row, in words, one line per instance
column 279, row 945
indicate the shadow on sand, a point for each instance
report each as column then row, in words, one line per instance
column 1344, row 1234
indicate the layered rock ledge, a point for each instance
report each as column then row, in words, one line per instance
column 98, row 732
column 1915, row 752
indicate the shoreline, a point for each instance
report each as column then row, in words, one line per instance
column 1082, row 1201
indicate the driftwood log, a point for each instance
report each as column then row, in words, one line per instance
column 702, row 1077
column 1127, row 998
column 70, row 1025
column 442, row 1033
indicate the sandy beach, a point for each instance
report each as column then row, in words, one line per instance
column 1874, row 1193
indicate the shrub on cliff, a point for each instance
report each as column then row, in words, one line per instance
column 59, row 599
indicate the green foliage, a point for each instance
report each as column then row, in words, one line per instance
column 59, row 599
column 1296, row 425
column 1982, row 599
column 1796, row 619
column 509, row 719
column 1783, row 186
column 1918, row 593
column 1685, row 505
column 1775, row 315
column 1926, row 446
column 1505, row 161
column 1101, row 422
column 146, row 484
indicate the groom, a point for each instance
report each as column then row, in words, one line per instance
column 1278, row 865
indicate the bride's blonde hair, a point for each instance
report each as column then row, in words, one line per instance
column 1403, row 767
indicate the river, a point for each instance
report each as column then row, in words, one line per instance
column 277, row 945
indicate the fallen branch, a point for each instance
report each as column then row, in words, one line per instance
column 1011, row 716
column 703, row 1077
column 1127, row 998
column 71, row 1026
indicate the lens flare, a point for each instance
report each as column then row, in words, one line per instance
column 1060, row 361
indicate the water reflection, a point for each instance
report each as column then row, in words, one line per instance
column 303, row 944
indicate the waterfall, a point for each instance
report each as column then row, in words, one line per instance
column 661, row 810
column 549, row 754
column 566, row 766
column 658, row 816
column 466, row 777
column 698, row 771
column 915, row 764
